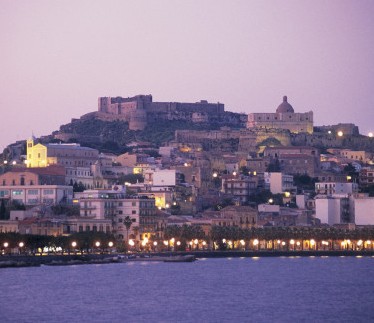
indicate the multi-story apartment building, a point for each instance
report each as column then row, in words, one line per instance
column 240, row 187
column 278, row 183
column 366, row 176
column 295, row 160
column 37, row 194
column 240, row 216
column 333, row 209
column 113, row 205
column 330, row 188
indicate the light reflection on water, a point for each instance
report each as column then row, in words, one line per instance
column 211, row 290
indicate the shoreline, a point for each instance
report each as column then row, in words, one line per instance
column 16, row 261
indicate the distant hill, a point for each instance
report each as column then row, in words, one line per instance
column 115, row 136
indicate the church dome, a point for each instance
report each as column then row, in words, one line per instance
column 285, row 107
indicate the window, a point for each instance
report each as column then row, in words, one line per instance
column 17, row 192
column 47, row 192
column 4, row 193
column 81, row 228
column 133, row 212
column 32, row 192
column 133, row 203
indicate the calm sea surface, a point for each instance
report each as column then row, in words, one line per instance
column 208, row 290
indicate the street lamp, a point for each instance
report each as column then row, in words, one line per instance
column 292, row 242
column 6, row 244
column 271, row 201
column 312, row 242
column 370, row 134
column 73, row 244
column 97, row 244
column 255, row 243
column 340, row 133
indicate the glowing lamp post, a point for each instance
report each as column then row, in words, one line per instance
column 292, row 243
column 242, row 243
column 21, row 245
column 255, row 243
column 110, row 245
column 312, row 243
column 6, row 245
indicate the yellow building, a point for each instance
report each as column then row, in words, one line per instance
column 36, row 154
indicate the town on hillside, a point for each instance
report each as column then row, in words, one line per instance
column 182, row 176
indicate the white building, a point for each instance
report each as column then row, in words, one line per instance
column 37, row 194
column 330, row 188
column 333, row 209
column 165, row 177
column 278, row 183
column 362, row 208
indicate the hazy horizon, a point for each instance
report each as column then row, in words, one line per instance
column 58, row 57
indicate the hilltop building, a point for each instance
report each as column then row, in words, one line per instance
column 284, row 118
column 141, row 109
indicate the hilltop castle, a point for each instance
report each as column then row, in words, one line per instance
column 140, row 109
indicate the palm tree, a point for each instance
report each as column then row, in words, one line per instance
column 128, row 221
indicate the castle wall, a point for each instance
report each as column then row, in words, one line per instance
column 127, row 108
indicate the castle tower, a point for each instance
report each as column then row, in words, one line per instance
column 104, row 104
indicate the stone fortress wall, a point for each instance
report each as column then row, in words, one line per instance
column 140, row 109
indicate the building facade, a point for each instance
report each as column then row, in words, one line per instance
column 283, row 118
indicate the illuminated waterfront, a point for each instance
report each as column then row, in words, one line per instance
column 308, row 289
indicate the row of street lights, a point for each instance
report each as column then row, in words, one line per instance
column 74, row 245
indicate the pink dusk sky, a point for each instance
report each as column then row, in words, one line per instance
column 58, row 57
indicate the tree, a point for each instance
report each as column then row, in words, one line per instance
column 128, row 221
column 78, row 187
